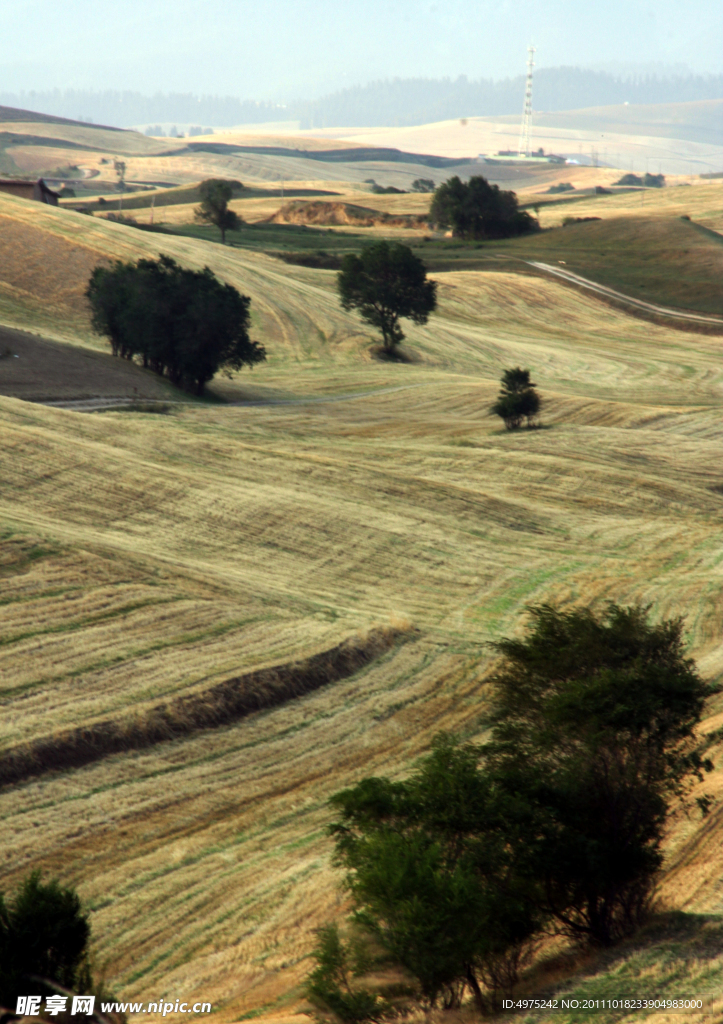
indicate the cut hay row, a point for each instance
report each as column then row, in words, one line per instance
column 218, row 705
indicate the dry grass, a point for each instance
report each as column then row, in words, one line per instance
column 209, row 708
column 684, row 136
column 701, row 201
column 93, row 137
column 146, row 558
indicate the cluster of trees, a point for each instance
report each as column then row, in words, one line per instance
column 517, row 399
column 648, row 181
column 555, row 824
column 423, row 185
column 476, row 209
column 184, row 324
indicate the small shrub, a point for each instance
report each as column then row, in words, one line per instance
column 329, row 985
column 517, row 399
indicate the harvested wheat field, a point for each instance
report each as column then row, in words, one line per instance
column 147, row 558
column 698, row 199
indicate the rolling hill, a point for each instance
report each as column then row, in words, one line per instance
column 677, row 138
column 146, row 557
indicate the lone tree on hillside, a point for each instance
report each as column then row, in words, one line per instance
column 119, row 167
column 387, row 282
column 215, row 196
column 184, row 324
column 479, row 210
column 517, row 399
column 423, row 185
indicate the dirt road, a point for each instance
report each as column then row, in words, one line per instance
column 610, row 293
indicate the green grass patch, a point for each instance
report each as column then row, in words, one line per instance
column 678, row 956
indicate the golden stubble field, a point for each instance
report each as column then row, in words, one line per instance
column 684, row 137
column 148, row 555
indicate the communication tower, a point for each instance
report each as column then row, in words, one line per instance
column 524, row 147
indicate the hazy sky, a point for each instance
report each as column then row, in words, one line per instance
column 291, row 49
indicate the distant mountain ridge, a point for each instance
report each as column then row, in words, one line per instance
column 397, row 102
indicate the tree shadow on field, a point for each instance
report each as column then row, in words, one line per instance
column 668, row 958
column 524, row 431
column 394, row 355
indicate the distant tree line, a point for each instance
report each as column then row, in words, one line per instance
column 182, row 324
column 157, row 131
column 422, row 100
column 397, row 102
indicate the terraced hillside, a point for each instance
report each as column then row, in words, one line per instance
column 146, row 557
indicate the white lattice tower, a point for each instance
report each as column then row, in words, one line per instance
column 524, row 147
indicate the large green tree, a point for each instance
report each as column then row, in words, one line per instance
column 431, row 870
column 386, row 283
column 558, row 818
column 184, row 324
column 216, row 194
column 593, row 731
column 476, row 209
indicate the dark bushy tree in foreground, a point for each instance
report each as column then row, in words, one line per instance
column 476, row 209
column 556, row 822
column 432, row 873
column 593, row 730
column 216, row 194
column 517, row 399
column 43, row 935
column 385, row 283
column 184, row 324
